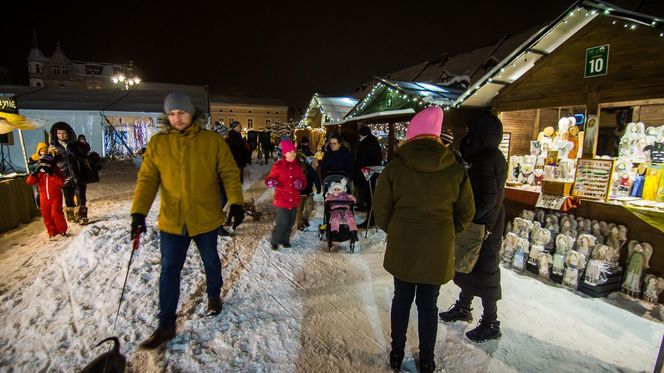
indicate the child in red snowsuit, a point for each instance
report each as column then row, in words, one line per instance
column 49, row 180
column 287, row 179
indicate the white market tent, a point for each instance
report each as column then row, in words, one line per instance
column 114, row 122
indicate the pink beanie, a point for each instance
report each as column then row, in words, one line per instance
column 287, row 146
column 427, row 122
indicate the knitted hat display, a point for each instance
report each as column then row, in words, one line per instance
column 427, row 122
column 287, row 146
column 179, row 101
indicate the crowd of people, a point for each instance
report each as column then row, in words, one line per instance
column 427, row 195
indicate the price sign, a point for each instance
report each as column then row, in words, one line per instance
column 657, row 152
column 597, row 61
column 505, row 145
column 593, row 178
column 548, row 201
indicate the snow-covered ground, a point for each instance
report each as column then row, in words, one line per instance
column 299, row 309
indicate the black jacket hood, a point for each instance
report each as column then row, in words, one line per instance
column 484, row 132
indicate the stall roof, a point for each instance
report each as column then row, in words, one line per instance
column 141, row 100
column 383, row 115
column 460, row 70
column 333, row 107
column 405, row 95
column 544, row 42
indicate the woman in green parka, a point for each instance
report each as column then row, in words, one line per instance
column 423, row 198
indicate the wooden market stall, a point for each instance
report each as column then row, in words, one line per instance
column 597, row 69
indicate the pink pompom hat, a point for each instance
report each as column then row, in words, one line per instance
column 287, row 146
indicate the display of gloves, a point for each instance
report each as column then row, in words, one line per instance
column 271, row 183
column 297, row 184
column 237, row 214
column 137, row 224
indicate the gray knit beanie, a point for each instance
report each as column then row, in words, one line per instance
column 179, row 100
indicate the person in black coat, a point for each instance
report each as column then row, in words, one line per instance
column 239, row 148
column 303, row 147
column 368, row 154
column 487, row 170
column 336, row 160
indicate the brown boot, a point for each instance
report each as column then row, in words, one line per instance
column 70, row 214
column 157, row 338
column 82, row 215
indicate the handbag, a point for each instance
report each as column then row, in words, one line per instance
column 467, row 245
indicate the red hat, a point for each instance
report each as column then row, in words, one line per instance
column 287, row 146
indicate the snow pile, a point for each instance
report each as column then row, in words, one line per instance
column 296, row 309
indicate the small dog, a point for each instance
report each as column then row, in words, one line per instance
column 111, row 361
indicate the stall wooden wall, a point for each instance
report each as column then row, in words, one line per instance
column 634, row 70
column 522, row 124
column 651, row 115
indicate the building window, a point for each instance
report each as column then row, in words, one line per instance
column 65, row 70
column 277, row 112
column 93, row 70
column 38, row 84
column 56, row 69
column 250, row 123
column 267, row 122
column 38, row 68
column 231, row 111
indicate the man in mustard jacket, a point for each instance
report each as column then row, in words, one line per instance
column 188, row 165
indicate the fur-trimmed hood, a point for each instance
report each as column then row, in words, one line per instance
column 62, row 126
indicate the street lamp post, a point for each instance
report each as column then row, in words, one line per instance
column 126, row 77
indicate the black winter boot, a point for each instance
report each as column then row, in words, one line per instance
column 214, row 306
column 485, row 331
column 427, row 366
column 457, row 313
column 161, row 335
column 396, row 358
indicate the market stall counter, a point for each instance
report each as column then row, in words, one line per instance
column 17, row 201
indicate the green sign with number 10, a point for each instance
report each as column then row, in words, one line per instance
column 597, row 61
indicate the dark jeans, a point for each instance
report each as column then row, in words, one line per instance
column 426, row 297
column 489, row 306
column 283, row 225
column 173, row 254
column 81, row 197
column 69, row 192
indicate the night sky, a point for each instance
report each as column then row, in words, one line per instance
column 275, row 49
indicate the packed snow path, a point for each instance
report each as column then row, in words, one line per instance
column 298, row 309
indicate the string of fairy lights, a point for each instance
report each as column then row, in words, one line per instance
column 381, row 86
column 630, row 21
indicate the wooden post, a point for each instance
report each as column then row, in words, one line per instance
column 391, row 140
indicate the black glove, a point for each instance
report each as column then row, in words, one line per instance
column 137, row 224
column 237, row 214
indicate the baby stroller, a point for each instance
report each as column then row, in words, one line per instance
column 338, row 211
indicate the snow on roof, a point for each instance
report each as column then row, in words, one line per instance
column 334, row 108
column 139, row 100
